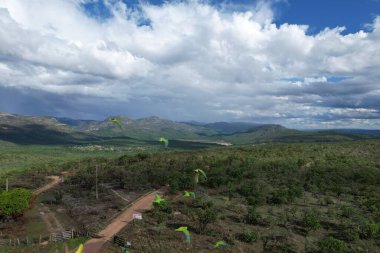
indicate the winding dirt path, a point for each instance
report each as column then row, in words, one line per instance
column 140, row 205
column 54, row 225
column 56, row 180
column 49, row 217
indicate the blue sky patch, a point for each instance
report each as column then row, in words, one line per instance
column 319, row 14
column 337, row 79
column 97, row 10
column 355, row 15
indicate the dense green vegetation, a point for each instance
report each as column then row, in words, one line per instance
column 21, row 158
column 14, row 202
column 314, row 197
column 272, row 198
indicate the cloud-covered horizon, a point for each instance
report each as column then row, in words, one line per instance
column 185, row 60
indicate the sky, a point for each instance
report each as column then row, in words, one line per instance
column 301, row 64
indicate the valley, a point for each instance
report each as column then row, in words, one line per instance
column 266, row 189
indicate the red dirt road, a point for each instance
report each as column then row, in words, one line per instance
column 140, row 205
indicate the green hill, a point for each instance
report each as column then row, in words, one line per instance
column 227, row 127
column 49, row 130
column 151, row 128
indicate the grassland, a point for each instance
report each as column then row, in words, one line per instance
column 16, row 158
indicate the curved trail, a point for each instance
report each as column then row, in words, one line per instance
column 56, row 180
column 54, row 224
column 140, row 205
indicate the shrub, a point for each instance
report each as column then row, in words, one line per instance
column 311, row 220
column 252, row 216
column 349, row 234
column 162, row 211
column 15, row 202
column 58, row 196
column 204, row 216
column 256, row 198
column 327, row 201
column 372, row 204
column 163, row 207
column 332, row 245
column 249, row 236
column 278, row 244
column 369, row 230
column 278, row 197
column 285, row 195
column 347, row 212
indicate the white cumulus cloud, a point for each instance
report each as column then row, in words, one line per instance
column 191, row 60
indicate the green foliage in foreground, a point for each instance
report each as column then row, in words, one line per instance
column 332, row 245
column 311, row 220
column 75, row 242
column 36, row 248
column 15, row 202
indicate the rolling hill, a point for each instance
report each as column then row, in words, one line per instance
column 38, row 130
column 151, row 128
column 227, row 127
column 50, row 130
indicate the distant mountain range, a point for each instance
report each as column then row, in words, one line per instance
column 50, row 130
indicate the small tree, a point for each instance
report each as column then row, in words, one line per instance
column 162, row 211
column 204, row 216
column 15, row 202
column 310, row 223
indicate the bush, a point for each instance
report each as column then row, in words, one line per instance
column 248, row 236
column 278, row 197
column 161, row 212
column 58, row 196
column 327, row 201
column 347, row 212
column 311, row 220
column 369, row 230
column 256, row 199
column 252, row 216
column 332, row 245
column 173, row 185
column 285, row 195
column 163, row 207
column 204, row 216
column 372, row 203
column 278, row 244
column 15, row 202
column 349, row 234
